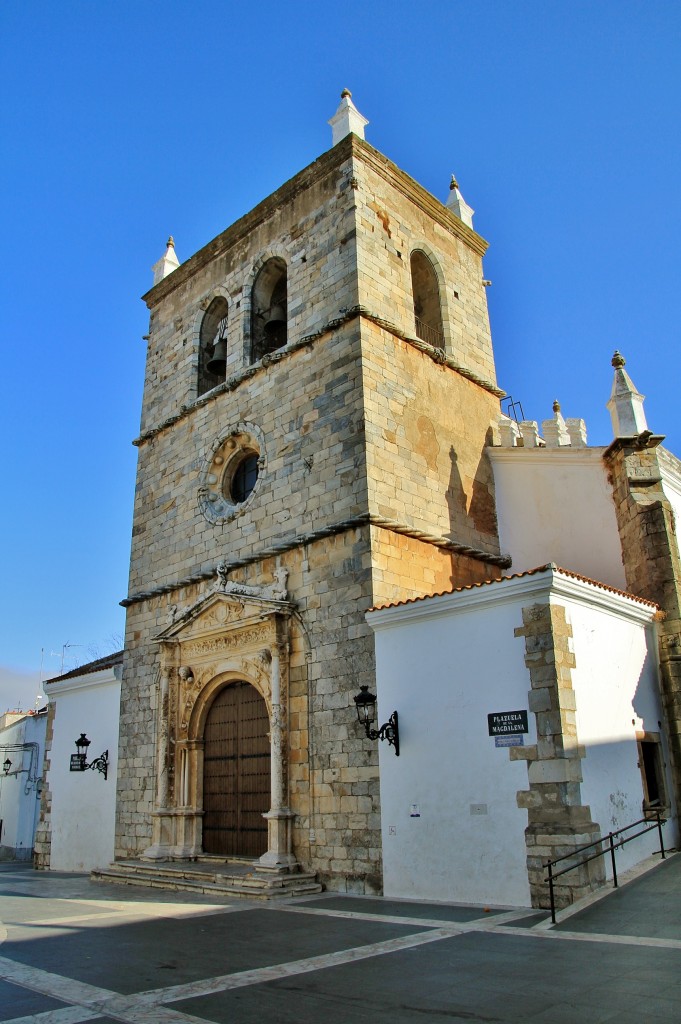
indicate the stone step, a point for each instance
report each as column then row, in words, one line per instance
column 243, row 886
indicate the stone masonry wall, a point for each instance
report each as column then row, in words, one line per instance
column 307, row 408
column 310, row 223
column 558, row 823
column 353, row 423
column 650, row 553
column 427, row 431
column 43, row 834
column 333, row 769
column 395, row 216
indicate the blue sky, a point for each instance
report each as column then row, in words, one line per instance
column 123, row 123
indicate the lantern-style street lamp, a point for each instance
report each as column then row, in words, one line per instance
column 365, row 703
column 79, row 760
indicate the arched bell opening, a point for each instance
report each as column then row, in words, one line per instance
column 426, row 294
column 236, row 772
column 212, row 347
column 269, row 302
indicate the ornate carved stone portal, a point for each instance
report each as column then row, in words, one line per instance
column 236, row 633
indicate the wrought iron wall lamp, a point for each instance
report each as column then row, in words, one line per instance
column 79, row 760
column 365, row 703
column 6, row 765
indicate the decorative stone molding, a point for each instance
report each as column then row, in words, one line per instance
column 224, row 456
column 235, row 633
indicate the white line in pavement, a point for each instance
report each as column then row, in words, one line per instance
column 225, row 982
column 621, row 940
column 476, row 924
column 149, row 1007
column 67, row 1015
column 145, row 1008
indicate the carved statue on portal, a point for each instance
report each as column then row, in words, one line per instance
column 276, row 591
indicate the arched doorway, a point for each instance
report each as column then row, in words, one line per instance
column 236, row 773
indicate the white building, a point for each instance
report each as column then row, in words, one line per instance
column 562, row 664
column 78, row 819
column 22, row 743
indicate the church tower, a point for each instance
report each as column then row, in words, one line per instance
column 319, row 394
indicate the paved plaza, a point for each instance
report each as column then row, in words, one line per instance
column 72, row 951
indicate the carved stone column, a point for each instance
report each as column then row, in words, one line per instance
column 279, row 856
column 188, row 813
column 162, row 818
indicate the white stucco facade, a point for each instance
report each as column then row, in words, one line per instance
column 468, row 843
column 617, row 700
column 445, row 663
column 83, row 803
column 22, row 743
column 555, row 505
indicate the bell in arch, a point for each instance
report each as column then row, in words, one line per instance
column 217, row 364
column 275, row 325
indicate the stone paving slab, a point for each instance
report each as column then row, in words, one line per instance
column 16, row 1001
column 330, row 960
column 649, row 905
column 154, row 953
column 467, row 977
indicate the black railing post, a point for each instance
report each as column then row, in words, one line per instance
column 553, row 905
column 612, row 858
column 659, row 829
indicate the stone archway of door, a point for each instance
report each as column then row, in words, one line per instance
column 236, row 773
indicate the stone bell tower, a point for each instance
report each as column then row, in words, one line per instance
column 319, row 394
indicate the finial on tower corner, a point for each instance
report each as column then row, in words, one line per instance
column 556, row 405
column 458, row 205
column 347, row 120
column 167, row 263
column 626, row 403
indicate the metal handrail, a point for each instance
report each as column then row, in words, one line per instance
column 610, row 838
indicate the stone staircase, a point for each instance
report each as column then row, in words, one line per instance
column 214, row 876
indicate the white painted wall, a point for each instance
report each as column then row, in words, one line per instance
column 555, row 505
column 83, row 803
column 20, row 789
column 444, row 664
column 617, row 694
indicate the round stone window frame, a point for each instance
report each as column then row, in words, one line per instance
column 222, row 462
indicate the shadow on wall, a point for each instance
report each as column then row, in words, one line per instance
column 481, row 508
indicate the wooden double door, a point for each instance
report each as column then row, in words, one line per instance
column 236, row 773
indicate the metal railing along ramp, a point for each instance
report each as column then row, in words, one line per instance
column 607, row 844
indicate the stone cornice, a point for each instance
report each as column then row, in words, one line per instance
column 417, row 194
column 88, row 681
column 249, row 222
column 350, row 146
column 637, row 442
column 289, row 544
column 436, row 354
column 547, row 584
column 547, row 456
